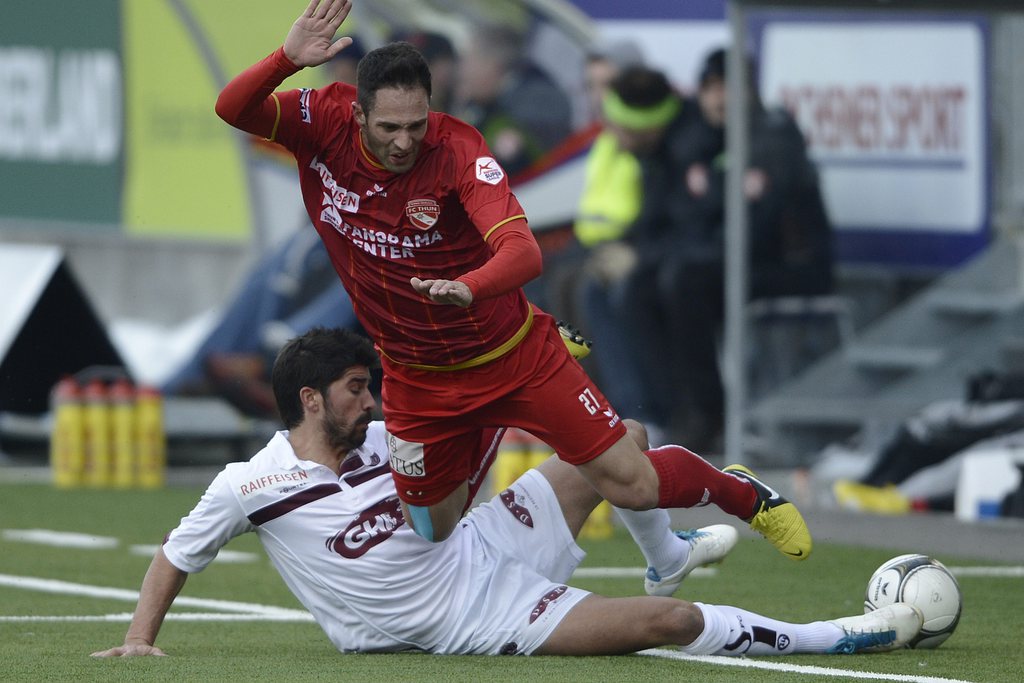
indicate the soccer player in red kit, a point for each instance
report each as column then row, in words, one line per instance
column 434, row 248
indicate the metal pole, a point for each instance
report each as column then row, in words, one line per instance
column 736, row 219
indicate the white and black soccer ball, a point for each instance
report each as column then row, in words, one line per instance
column 924, row 582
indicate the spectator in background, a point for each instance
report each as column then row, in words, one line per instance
column 520, row 110
column 610, row 201
column 611, row 196
column 604, row 61
column 640, row 111
column 442, row 61
column 577, row 276
column 672, row 298
column 292, row 289
column 342, row 68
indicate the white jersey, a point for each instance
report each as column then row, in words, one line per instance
column 343, row 548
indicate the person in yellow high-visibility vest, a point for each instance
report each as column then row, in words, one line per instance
column 611, row 204
column 611, row 197
column 668, row 306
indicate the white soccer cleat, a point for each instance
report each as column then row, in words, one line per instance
column 889, row 628
column 708, row 545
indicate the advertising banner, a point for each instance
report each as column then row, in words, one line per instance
column 895, row 111
column 107, row 119
column 61, row 111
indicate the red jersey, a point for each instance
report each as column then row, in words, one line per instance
column 383, row 228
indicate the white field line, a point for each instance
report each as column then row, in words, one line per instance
column 707, row 572
column 630, row 572
column 63, row 539
column 224, row 556
column 71, row 539
column 67, row 588
column 797, row 668
column 126, row 617
column 989, row 572
column 256, row 612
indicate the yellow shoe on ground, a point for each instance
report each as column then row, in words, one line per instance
column 776, row 518
column 881, row 500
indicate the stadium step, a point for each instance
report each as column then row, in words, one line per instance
column 923, row 350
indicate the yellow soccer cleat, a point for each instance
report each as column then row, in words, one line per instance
column 577, row 344
column 776, row 518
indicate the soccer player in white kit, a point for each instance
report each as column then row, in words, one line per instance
column 322, row 501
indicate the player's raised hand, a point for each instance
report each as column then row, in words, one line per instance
column 444, row 291
column 131, row 650
column 310, row 41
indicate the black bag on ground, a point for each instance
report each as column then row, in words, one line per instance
column 989, row 385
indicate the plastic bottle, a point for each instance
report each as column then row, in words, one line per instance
column 599, row 525
column 98, row 433
column 67, row 440
column 151, row 440
column 124, row 434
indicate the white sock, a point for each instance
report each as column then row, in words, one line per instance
column 733, row 631
column 717, row 629
column 652, row 532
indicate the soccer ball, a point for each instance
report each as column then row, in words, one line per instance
column 925, row 583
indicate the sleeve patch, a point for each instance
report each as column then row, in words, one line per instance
column 304, row 105
column 488, row 170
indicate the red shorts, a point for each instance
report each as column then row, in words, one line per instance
column 439, row 419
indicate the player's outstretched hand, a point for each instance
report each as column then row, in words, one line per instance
column 310, row 41
column 444, row 291
column 131, row 650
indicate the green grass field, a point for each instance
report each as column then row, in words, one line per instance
column 985, row 648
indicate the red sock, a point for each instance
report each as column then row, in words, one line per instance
column 686, row 480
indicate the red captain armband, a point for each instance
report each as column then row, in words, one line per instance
column 516, row 261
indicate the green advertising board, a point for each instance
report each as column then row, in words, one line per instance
column 107, row 116
column 61, row 111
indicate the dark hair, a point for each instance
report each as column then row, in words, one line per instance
column 641, row 87
column 316, row 359
column 713, row 67
column 395, row 65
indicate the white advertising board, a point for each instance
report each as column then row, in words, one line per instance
column 895, row 113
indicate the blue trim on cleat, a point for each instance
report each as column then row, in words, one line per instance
column 708, row 545
column 861, row 641
column 879, row 630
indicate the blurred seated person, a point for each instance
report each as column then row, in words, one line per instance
column 610, row 200
column 292, row 289
column 918, row 467
column 442, row 61
column 576, row 276
column 521, row 112
column 672, row 298
column 639, row 109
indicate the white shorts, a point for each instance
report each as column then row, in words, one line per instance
column 523, row 554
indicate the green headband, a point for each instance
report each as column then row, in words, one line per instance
column 639, row 118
